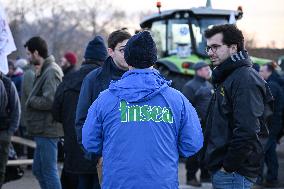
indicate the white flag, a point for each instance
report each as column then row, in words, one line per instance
column 7, row 44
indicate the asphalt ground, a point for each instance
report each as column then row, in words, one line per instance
column 28, row 181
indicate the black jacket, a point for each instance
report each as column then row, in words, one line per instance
column 64, row 109
column 198, row 91
column 233, row 121
column 10, row 108
column 94, row 83
column 275, row 123
column 69, row 70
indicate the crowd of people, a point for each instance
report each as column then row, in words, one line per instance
column 124, row 126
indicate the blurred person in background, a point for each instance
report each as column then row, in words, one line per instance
column 199, row 92
column 274, row 125
column 16, row 75
column 40, row 123
column 68, row 63
column 10, row 110
column 78, row 172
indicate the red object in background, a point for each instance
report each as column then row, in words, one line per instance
column 159, row 5
column 186, row 65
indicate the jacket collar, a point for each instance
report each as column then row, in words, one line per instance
column 46, row 64
column 109, row 69
column 222, row 71
column 199, row 79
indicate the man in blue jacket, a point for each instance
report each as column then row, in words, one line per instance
column 140, row 125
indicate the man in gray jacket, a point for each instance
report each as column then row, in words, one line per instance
column 9, row 119
column 40, row 122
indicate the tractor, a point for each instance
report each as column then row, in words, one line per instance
column 180, row 40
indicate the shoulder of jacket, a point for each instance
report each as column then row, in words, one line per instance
column 94, row 74
column 175, row 94
column 106, row 99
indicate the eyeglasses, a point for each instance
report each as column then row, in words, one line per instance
column 214, row 48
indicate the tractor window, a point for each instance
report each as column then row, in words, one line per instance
column 199, row 27
column 178, row 35
column 158, row 31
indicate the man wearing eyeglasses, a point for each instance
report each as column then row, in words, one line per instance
column 232, row 151
column 97, row 81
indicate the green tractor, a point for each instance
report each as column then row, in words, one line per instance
column 180, row 40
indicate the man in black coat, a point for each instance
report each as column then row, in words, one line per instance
column 10, row 113
column 98, row 80
column 77, row 171
column 275, row 126
column 198, row 91
column 232, row 150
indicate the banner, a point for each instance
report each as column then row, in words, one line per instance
column 7, row 44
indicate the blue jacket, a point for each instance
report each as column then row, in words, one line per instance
column 140, row 126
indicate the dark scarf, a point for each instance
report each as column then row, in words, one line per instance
column 222, row 71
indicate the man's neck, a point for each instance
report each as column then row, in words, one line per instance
column 120, row 67
column 133, row 68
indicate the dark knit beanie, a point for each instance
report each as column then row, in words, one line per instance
column 71, row 57
column 140, row 51
column 96, row 50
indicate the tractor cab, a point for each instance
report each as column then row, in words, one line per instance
column 179, row 35
column 174, row 27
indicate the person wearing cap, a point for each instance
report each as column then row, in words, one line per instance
column 275, row 126
column 198, row 91
column 68, row 62
column 140, row 125
column 78, row 172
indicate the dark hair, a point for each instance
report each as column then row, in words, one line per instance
column 117, row 37
column 37, row 44
column 231, row 35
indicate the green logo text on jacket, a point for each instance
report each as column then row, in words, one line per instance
column 145, row 113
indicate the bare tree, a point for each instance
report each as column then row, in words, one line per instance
column 250, row 41
column 63, row 28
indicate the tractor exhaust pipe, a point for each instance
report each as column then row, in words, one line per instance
column 208, row 4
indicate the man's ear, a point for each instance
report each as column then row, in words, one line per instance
column 36, row 54
column 233, row 48
column 110, row 51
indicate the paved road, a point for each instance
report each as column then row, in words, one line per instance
column 29, row 182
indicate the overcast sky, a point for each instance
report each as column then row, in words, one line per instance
column 262, row 19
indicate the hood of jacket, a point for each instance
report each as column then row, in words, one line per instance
column 139, row 85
